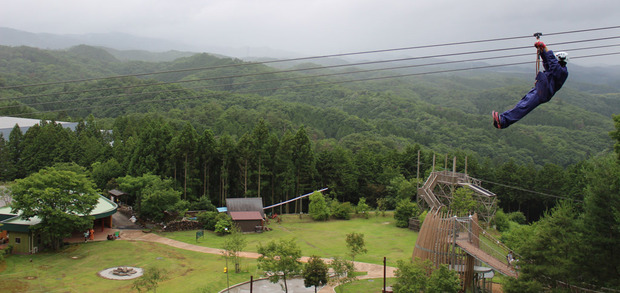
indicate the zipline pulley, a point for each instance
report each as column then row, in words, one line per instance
column 537, row 36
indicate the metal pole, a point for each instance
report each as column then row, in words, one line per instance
column 251, row 283
column 227, row 281
column 417, row 176
column 384, row 274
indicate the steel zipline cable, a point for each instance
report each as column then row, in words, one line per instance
column 312, row 57
column 324, row 67
column 295, row 86
column 530, row 191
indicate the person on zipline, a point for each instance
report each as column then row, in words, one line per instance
column 547, row 84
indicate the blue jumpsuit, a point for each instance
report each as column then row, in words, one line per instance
column 547, row 84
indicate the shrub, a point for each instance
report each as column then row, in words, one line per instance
column 522, row 285
column 517, row 217
column 405, row 209
column 501, row 221
column 224, row 225
column 208, row 219
column 342, row 210
column 318, row 209
column 422, row 216
column 362, row 207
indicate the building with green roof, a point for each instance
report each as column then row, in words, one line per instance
column 25, row 241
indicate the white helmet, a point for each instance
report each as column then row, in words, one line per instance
column 562, row 57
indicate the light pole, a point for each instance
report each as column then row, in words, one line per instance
column 227, row 281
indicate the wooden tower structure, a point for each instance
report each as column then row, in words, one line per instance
column 439, row 188
column 462, row 245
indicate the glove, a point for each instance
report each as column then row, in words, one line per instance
column 540, row 45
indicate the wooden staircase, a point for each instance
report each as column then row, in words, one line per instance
column 486, row 258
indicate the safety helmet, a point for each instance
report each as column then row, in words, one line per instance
column 562, row 57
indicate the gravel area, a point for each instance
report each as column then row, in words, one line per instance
column 108, row 273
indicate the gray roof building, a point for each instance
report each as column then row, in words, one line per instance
column 251, row 204
column 7, row 124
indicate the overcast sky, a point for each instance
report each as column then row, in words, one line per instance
column 319, row 27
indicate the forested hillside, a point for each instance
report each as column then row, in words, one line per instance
column 444, row 112
column 207, row 128
column 234, row 128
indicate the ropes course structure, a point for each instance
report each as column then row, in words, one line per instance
column 464, row 246
column 438, row 191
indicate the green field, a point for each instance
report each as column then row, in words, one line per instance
column 326, row 239
column 74, row 269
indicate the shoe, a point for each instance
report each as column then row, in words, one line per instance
column 496, row 122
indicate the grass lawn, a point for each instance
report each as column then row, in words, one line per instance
column 325, row 239
column 75, row 268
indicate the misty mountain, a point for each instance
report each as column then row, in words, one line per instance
column 120, row 41
column 127, row 42
column 127, row 47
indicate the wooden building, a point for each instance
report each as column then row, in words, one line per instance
column 248, row 221
column 247, row 213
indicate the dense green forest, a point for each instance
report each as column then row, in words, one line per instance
column 444, row 112
column 235, row 129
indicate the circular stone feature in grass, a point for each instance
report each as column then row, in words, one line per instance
column 121, row 273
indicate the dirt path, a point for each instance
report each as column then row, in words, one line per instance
column 373, row 271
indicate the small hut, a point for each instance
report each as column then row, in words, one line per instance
column 116, row 195
column 247, row 213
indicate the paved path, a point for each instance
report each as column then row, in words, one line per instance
column 374, row 271
column 122, row 222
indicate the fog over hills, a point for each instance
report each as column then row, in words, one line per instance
column 129, row 47
column 122, row 41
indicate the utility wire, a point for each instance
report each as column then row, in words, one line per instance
column 266, row 73
column 530, row 191
column 269, row 73
column 313, row 57
column 290, row 78
column 305, row 85
column 314, row 68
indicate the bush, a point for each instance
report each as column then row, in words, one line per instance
column 517, row 217
column 223, row 225
column 501, row 221
column 405, row 209
column 422, row 216
column 208, row 219
column 6, row 251
column 318, row 209
column 342, row 210
column 362, row 207
column 156, row 202
column 521, row 285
